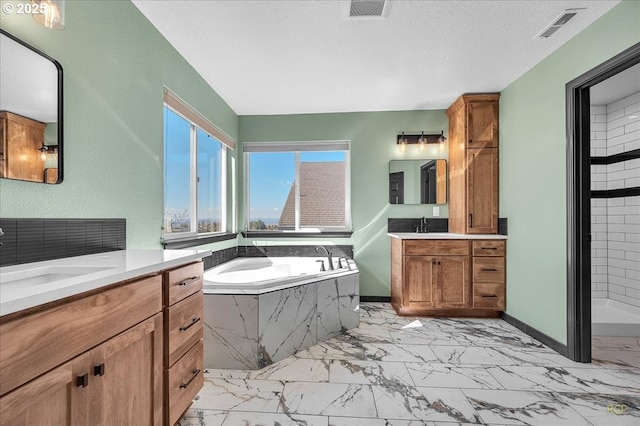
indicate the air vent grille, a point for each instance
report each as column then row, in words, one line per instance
column 557, row 23
column 366, row 8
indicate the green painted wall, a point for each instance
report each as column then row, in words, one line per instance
column 532, row 168
column 115, row 66
column 372, row 136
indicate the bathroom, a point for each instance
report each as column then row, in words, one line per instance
column 116, row 66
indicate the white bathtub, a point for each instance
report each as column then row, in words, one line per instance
column 613, row 318
column 257, row 275
column 261, row 310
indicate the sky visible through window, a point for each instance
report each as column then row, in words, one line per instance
column 271, row 175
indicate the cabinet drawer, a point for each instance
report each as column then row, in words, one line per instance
column 182, row 282
column 488, row 269
column 184, row 326
column 35, row 344
column 184, row 381
column 436, row 247
column 488, row 248
column 489, row 296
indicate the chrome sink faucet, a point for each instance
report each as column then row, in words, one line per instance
column 329, row 256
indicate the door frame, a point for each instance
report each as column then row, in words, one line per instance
column 579, row 200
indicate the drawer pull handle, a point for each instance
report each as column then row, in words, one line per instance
column 488, row 295
column 489, row 248
column 489, row 270
column 191, row 324
column 82, row 381
column 98, row 370
column 195, row 374
column 188, row 281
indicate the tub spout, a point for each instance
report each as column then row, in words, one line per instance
column 329, row 256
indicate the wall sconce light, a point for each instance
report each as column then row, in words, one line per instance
column 420, row 139
column 47, row 149
column 441, row 140
column 402, row 143
column 48, row 13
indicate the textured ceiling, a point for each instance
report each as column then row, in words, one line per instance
column 305, row 56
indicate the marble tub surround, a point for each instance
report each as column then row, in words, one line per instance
column 254, row 331
column 31, row 284
column 462, row 371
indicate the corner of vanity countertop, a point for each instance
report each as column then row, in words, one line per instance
column 444, row 236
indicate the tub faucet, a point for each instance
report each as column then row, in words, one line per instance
column 329, row 256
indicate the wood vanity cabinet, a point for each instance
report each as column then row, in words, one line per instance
column 20, row 142
column 473, row 163
column 183, row 355
column 94, row 360
column 447, row 277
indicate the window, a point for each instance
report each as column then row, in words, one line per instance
column 195, row 174
column 298, row 186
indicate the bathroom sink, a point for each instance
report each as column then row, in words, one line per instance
column 47, row 274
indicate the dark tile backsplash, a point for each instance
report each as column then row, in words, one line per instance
column 434, row 224
column 219, row 257
column 409, row 224
column 302, row 251
column 33, row 240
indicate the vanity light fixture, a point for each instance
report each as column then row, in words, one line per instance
column 402, row 143
column 441, row 140
column 48, row 13
column 47, row 149
column 421, row 140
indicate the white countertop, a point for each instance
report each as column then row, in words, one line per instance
column 32, row 284
column 444, row 236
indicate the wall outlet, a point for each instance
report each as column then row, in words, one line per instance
column 436, row 211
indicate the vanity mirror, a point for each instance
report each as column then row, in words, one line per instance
column 30, row 113
column 418, row 181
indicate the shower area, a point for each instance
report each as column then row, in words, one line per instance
column 615, row 205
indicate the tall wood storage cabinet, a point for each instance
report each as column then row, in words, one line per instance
column 473, row 162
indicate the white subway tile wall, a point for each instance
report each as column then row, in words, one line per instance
column 615, row 222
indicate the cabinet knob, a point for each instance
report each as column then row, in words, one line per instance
column 82, row 381
column 98, row 370
column 470, row 140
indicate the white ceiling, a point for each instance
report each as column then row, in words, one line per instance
column 308, row 56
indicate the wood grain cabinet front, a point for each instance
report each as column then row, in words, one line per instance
column 443, row 278
column 473, row 164
column 118, row 380
column 183, row 356
column 489, row 274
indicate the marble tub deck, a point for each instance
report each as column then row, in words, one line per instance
column 421, row 371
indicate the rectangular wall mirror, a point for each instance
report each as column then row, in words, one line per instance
column 418, row 181
column 30, row 113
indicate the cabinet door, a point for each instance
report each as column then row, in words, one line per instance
column 482, row 125
column 419, row 279
column 54, row 398
column 482, row 195
column 454, row 284
column 126, row 375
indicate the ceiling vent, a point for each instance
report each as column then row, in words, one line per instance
column 557, row 23
column 367, row 8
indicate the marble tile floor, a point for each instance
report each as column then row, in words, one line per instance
column 400, row 371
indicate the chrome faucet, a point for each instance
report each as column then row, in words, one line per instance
column 329, row 256
column 423, row 225
column 1, row 234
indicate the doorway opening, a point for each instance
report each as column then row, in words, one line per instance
column 579, row 199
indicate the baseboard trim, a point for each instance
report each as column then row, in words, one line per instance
column 536, row 334
column 379, row 299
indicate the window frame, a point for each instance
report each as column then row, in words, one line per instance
column 297, row 147
column 193, row 182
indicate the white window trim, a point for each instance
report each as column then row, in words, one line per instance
column 297, row 147
column 193, row 187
